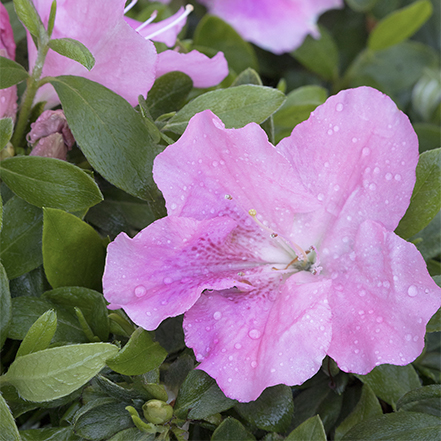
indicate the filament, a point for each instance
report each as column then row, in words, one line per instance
column 130, row 6
column 147, row 22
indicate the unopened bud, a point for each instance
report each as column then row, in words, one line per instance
column 157, row 411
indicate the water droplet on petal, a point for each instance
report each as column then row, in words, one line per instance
column 408, row 337
column 173, row 206
column 398, row 177
column 217, row 315
column 366, row 151
column 273, row 370
column 254, row 364
column 339, row 107
column 354, row 140
column 379, row 319
column 412, row 291
column 330, row 132
column 254, row 334
column 320, row 196
column 140, row 291
column 237, row 345
column 167, row 280
column 230, row 380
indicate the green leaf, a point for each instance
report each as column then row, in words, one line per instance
column 39, row 335
column 398, row 426
column 8, row 429
column 236, row 106
column 28, row 15
column 11, row 73
column 319, row 55
column 426, row 399
column 111, row 134
column 367, row 407
column 361, row 5
column 133, row 434
column 140, row 355
column 91, row 303
column 248, row 76
column 272, row 411
column 49, row 182
column 5, row 306
column 21, row 237
column 6, row 129
column 56, row 372
column 212, row 32
column 73, row 252
column 425, row 202
column 27, row 310
column 74, row 50
column 49, row 434
column 428, row 136
column 200, row 397
column 168, row 93
column 311, row 430
column 391, row 382
column 400, row 25
column 434, row 324
column 231, row 430
column 426, row 94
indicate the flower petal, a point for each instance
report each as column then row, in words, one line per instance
column 383, row 298
column 204, row 71
column 276, row 333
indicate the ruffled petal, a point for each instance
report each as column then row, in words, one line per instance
column 383, row 298
column 276, row 333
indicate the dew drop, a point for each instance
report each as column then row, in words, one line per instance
column 356, row 351
column 376, row 170
column 254, row 364
column 366, row 151
column 273, row 370
column 336, row 128
column 362, row 293
column 408, row 337
column 254, row 334
column 173, row 206
column 215, row 163
column 330, row 132
column 372, row 187
column 388, row 176
column 412, row 291
column 230, row 380
column 336, row 187
column 140, row 291
column 397, row 177
column 320, row 196
column 339, row 107
column 237, row 345
column 379, row 319
column 217, row 315
column 167, row 280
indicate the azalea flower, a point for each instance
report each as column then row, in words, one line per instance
column 279, row 256
column 275, row 25
column 8, row 97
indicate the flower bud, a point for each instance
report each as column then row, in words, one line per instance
column 50, row 135
column 157, row 411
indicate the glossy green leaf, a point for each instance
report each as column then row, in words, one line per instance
column 28, row 15
column 8, row 429
column 11, row 73
column 111, row 134
column 132, row 434
column 140, row 355
column 56, row 372
column 168, row 93
column 73, row 252
column 400, row 25
column 6, row 128
column 231, row 430
column 390, row 382
column 74, row 50
column 39, row 335
column 5, row 306
column 236, row 106
column 91, row 303
column 49, row 434
column 361, row 5
column 311, row 430
column 49, row 182
column 319, row 55
column 272, row 411
column 397, row 426
column 426, row 399
column 21, row 237
column 367, row 407
column 200, row 396
column 212, row 32
column 27, row 310
column 425, row 202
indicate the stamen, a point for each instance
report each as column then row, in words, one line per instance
column 187, row 11
column 147, row 22
column 130, row 6
column 229, row 197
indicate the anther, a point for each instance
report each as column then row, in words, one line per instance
column 130, row 6
column 147, row 22
column 229, row 197
column 187, row 11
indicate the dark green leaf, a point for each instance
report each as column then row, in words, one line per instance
column 231, row 430
column 429, row 136
column 8, row 429
column 426, row 94
column 272, row 411
column 28, row 15
column 398, row 426
column 111, row 134
column 39, row 335
column 140, row 355
column 399, row 25
column 49, row 434
column 120, row 393
column 56, row 372
column 49, row 182
column 11, row 73
column 5, row 306
column 91, row 303
column 311, row 430
column 248, row 76
column 214, row 33
column 133, row 434
column 236, row 106
column 6, row 128
column 73, row 252
column 426, row 399
column 361, row 5
column 168, row 93
column 319, row 55
column 200, row 396
column 425, row 202
column 21, row 237
column 391, row 382
column 26, row 310
column 31, row 284
column 74, row 50
column 428, row 240
column 434, row 324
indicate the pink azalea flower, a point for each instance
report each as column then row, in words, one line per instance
column 279, row 256
column 8, row 97
column 275, row 25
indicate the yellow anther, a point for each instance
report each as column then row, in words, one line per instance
column 252, row 212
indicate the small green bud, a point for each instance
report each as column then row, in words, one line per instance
column 157, row 411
